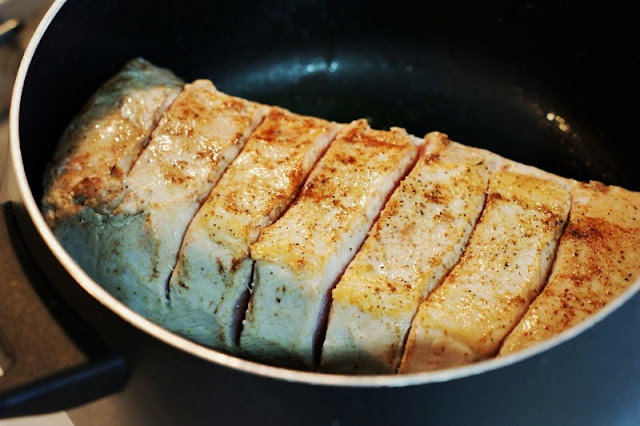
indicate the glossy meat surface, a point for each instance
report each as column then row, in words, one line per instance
column 210, row 284
column 420, row 235
column 300, row 257
column 598, row 258
column 87, row 178
column 501, row 271
column 195, row 141
column 98, row 149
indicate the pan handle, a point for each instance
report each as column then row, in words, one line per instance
column 49, row 358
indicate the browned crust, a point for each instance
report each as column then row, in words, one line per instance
column 87, row 169
column 597, row 260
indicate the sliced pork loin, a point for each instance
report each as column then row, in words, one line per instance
column 133, row 169
column 501, row 271
column 87, row 176
column 300, row 257
column 210, row 284
column 420, row 235
column 195, row 141
column 597, row 260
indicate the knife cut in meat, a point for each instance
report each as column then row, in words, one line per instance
column 301, row 256
column 420, row 235
column 99, row 147
column 210, row 284
column 87, row 176
column 195, row 141
column 501, row 271
column 309, row 244
column 598, row 258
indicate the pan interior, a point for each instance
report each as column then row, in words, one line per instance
column 476, row 103
column 527, row 81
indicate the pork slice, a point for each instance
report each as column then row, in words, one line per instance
column 299, row 258
column 210, row 284
column 99, row 147
column 86, row 178
column 501, row 271
column 197, row 138
column 420, row 235
column 597, row 260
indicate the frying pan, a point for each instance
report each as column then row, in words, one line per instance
column 552, row 84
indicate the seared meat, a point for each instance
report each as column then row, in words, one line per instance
column 99, row 147
column 598, row 258
column 300, row 257
column 501, row 271
column 420, row 235
column 87, row 177
column 210, row 284
column 195, row 141
column 199, row 209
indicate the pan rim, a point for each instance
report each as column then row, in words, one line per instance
column 208, row 354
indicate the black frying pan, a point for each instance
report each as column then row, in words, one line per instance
column 548, row 84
